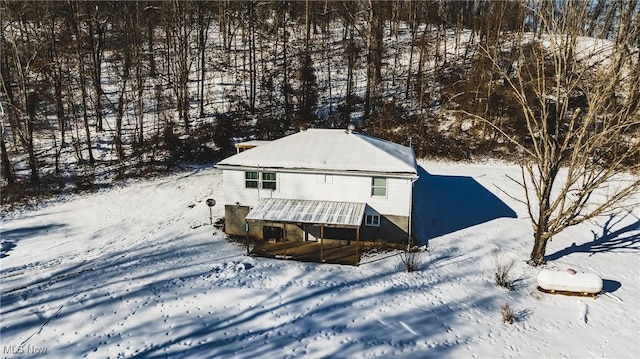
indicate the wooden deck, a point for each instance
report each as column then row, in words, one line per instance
column 309, row 252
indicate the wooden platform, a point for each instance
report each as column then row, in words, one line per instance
column 573, row 294
column 309, row 252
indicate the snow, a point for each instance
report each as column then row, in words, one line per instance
column 326, row 149
column 570, row 281
column 303, row 211
column 136, row 270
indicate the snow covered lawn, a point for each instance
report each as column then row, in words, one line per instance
column 137, row 271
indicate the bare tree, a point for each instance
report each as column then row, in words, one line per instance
column 286, row 86
column 97, row 26
column 74, row 16
column 204, row 23
column 22, row 62
column 374, row 54
column 125, row 53
column 6, row 109
column 581, row 116
column 180, row 28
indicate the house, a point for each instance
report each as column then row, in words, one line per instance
column 332, row 184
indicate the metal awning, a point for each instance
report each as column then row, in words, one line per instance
column 339, row 214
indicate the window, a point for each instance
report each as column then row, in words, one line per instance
column 378, row 186
column 372, row 220
column 251, row 179
column 269, row 180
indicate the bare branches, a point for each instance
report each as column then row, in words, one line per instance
column 580, row 120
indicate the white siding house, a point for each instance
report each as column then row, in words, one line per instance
column 332, row 178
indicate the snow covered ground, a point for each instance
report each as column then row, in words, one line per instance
column 137, row 271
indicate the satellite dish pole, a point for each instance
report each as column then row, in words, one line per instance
column 211, row 202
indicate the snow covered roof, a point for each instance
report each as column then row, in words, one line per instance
column 328, row 150
column 347, row 214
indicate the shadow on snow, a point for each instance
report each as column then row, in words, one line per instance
column 445, row 204
column 10, row 237
column 626, row 239
column 303, row 323
column 298, row 318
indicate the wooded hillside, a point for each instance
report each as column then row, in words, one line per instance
column 102, row 90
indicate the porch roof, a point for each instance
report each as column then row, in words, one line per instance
column 338, row 214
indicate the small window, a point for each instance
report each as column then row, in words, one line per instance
column 379, row 186
column 251, row 179
column 372, row 220
column 269, row 180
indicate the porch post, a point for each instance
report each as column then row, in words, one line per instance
column 357, row 245
column 284, row 239
column 321, row 243
column 246, row 235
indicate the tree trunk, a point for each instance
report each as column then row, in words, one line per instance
column 327, row 56
column 83, row 82
column 7, row 171
column 252, row 57
column 203, row 27
column 119, row 114
column 60, row 113
column 97, row 48
column 120, row 108
column 351, row 57
column 152, row 61
column 179, row 28
column 285, row 68
column 32, row 104
column 11, row 112
column 85, row 116
column 539, row 242
column 374, row 57
column 541, row 235
column 414, row 35
column 140, row 87
column 138, row 42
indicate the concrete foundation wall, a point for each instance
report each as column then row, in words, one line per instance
column 392, row 229
column 234, row 220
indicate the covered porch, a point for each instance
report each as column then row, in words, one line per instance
column 311, row 220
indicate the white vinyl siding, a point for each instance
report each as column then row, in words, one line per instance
column 347, row 188
column 306, row 186
column 324, row 178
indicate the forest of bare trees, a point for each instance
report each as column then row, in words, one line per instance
column 115, row 89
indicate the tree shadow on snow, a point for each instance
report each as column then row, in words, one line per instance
column 444, row 204
column 141, row 289
column 626, row 239
column 12, row 236
column 330, row 316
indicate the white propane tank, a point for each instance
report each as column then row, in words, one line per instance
column 569, row 281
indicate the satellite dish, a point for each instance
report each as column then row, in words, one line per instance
column 350, row 128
